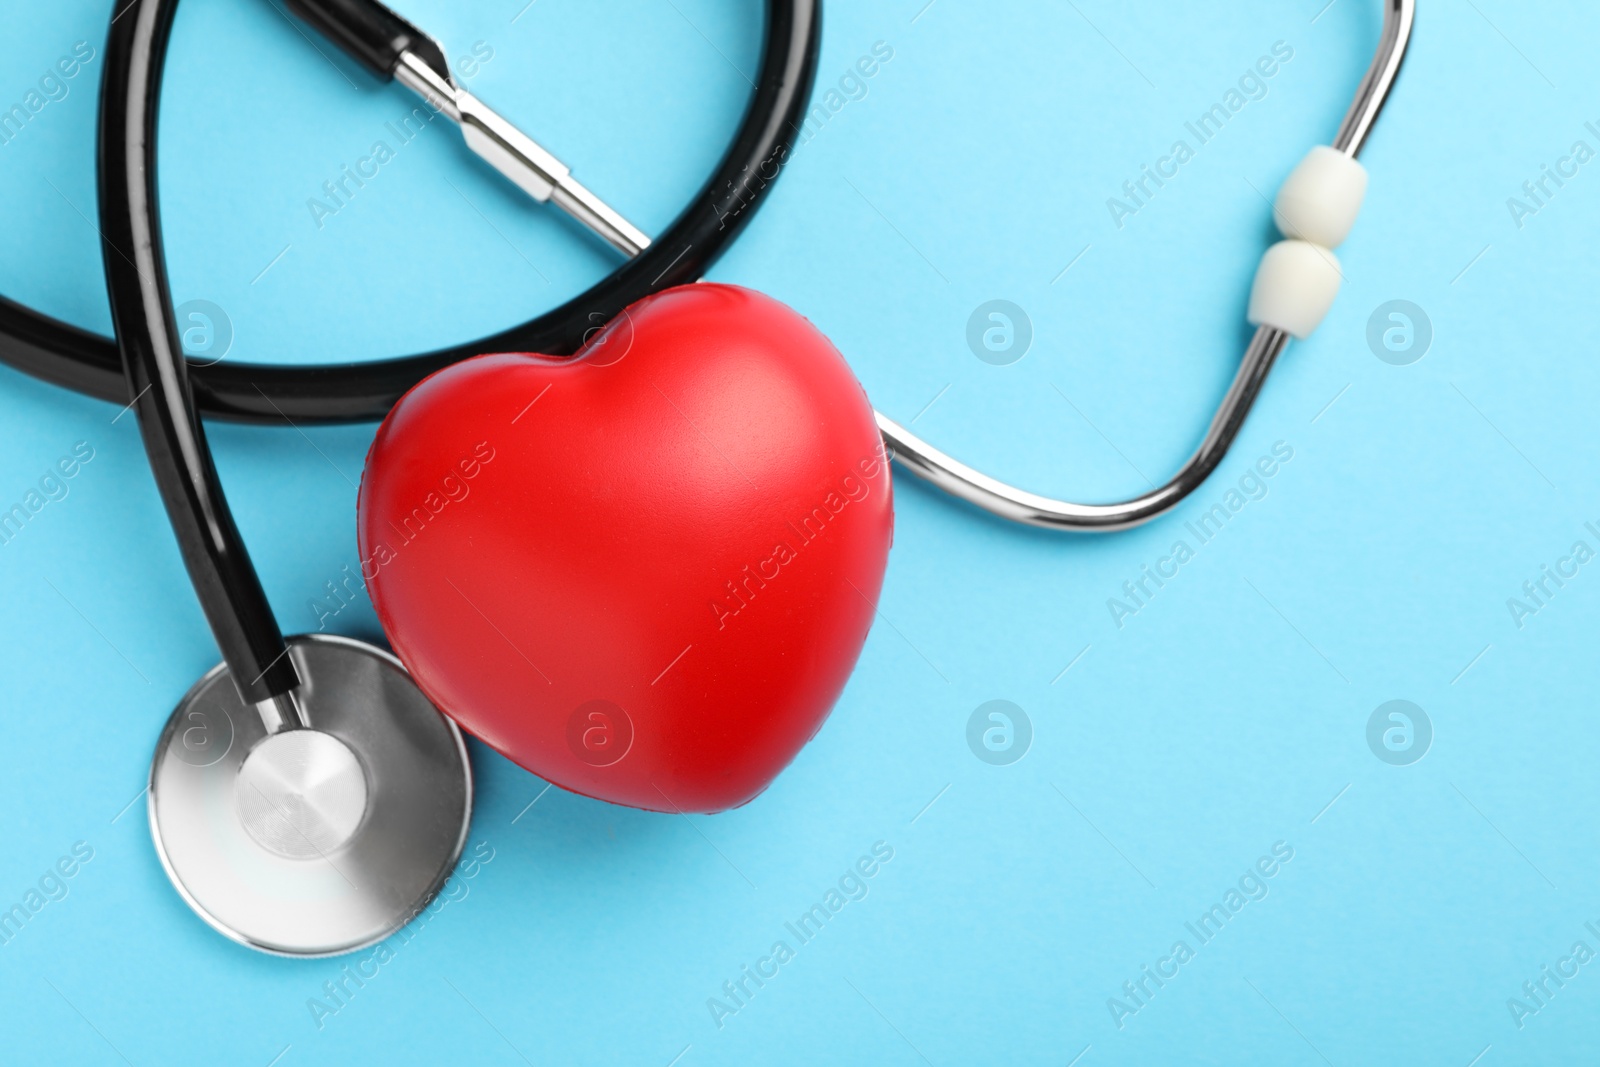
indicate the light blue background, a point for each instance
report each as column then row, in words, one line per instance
column 1222, row 718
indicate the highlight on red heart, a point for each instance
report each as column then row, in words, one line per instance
column 663, row 581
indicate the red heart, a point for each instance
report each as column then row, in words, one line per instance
column 646, row 572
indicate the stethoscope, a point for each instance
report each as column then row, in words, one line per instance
column 257, row 770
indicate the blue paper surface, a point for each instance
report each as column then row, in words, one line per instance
column 1183, row 738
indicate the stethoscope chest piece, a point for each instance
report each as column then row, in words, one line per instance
column 318, row 840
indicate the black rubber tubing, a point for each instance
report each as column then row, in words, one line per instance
column 364, row 30
column 224, row 579
column 65, row 355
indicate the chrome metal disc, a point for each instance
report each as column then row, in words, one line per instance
column 311, row 842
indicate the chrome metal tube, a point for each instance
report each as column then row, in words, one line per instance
column 518, row 156
column 581, row 204
column 282, row 712
column 1019, row 505
column 1398, row 19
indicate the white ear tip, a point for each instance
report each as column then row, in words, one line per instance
column 1322, row 197
column 1294, row 288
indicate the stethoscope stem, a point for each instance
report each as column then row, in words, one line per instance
column 283, row 711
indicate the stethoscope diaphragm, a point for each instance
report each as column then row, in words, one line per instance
column 319, row 840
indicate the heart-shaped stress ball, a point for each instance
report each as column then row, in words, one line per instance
column 643, row 573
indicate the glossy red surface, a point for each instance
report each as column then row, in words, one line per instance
column 644, row 573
